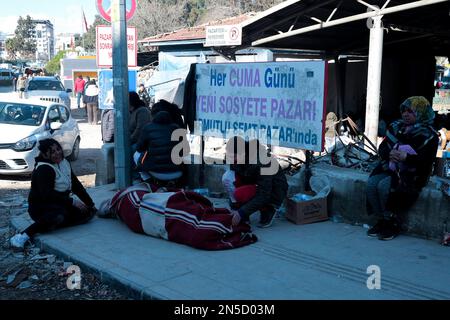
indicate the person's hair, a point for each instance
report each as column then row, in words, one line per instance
column 141, row 85
column 163, row 105
column 93, row 82
column 135, row 101
column 46, row 144
column 80, row 76
column 235, row 144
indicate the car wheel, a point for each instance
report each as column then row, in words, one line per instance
column 75, row 150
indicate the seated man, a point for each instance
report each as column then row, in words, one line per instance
column 253, row 184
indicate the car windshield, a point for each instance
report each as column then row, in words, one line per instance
column 51, row 85
column 21, row 114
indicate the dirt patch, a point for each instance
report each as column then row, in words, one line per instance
column 34, row 274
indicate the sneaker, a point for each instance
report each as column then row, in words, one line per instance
column 267, row 218
column 390, row 231
column 18, row 241
column 376, row 229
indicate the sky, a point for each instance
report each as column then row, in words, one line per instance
column 66, row 15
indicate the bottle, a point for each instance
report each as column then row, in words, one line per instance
column 446, row 157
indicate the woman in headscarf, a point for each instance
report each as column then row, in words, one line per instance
column 407, row 154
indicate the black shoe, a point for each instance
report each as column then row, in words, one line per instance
column 390, row 230
column 267, row 217
column 376, row 229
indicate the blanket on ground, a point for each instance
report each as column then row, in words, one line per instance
column 181, row 216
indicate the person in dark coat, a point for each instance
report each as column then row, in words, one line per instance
column 108, row 126
column 49, row 202
column 255, row 181
column 91, row 100
column 154, row 156
column 172, row 109
column 407, row 154
column 139, row 117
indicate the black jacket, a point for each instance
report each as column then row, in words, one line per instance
column 270, row 189
column 43, row 193
column 155, row 140
column 139, row 117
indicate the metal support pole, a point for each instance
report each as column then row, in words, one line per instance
column 341, row 69
column 374, row 79
column 201, row 177
column 308, row 172
column 122, row 152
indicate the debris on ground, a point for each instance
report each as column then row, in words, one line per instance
column 37, row 275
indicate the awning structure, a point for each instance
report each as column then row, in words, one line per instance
column 371, row 28
column 343, row 26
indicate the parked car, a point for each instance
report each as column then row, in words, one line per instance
column 48, row 89
column 23, row 123
column 6, row 77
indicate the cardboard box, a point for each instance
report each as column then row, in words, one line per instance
column 308, row 211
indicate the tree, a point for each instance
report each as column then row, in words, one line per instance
column 23, row 44
column 12, row 48
column 78, row 40
column 157, row 16
column 193, row 10
column 154, row 17
column 88, row 40
column 54, row 66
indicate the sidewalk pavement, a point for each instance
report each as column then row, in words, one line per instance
column 323, row 260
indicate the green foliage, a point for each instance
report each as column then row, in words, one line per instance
column 54, row 66
column 12, row 47
column 89, row 37
column 78, row 40
column 23, row 44
column 193, row 11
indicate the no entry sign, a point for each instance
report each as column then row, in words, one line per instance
column 104, row 8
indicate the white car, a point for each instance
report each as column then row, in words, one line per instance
column 47, row 89
column 23, row 123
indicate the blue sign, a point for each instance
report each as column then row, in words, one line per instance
column 105, row 85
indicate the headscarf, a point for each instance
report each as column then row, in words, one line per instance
column 421, row 131
column 421, row 107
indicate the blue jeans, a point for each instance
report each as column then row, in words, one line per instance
column 377, row 194
column 79, row 95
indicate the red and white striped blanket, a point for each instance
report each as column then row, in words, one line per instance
column 183, row 217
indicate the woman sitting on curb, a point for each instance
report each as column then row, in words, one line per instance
column 252, row 185
column 407, row 155
column 49, row 202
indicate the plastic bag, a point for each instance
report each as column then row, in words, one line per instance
column 321, row 186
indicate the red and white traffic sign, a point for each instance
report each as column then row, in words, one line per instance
column 105, row 46
column 104, row 8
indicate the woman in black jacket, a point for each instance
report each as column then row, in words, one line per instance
column 49, row 202
column 155, row 157
column 407, row 154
